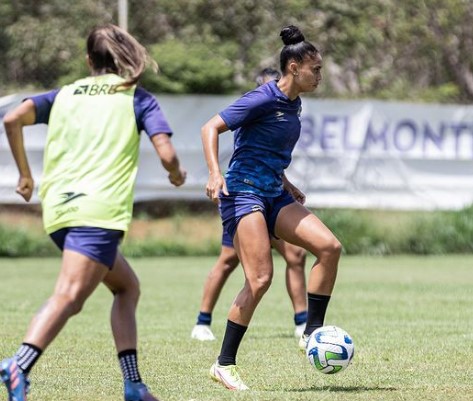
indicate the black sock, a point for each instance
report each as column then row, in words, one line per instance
column 129, row 365
column 26, row 356
column 233, row 336
column 317, row 306
column 204, row 318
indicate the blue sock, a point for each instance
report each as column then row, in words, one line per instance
column 300, row 318
column 204, row 318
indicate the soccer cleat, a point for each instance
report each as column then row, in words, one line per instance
column 15, row 381
column 303, row 342
column 202, row 332
column 137, row 391
column 228, row 376
column 299, row 330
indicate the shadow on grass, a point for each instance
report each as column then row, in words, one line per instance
column 342, row 389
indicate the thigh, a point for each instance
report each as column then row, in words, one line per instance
column 292, row 254
column 121, row 276
column 297, row 225
column 235, row 206
column 252, row 244
column 79, row 275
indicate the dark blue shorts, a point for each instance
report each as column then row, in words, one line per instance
column 238, row 204
column 99, row 244
column 226, row 239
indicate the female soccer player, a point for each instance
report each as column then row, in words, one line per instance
column 228, row 261
column 90, row 164
column 257, row 201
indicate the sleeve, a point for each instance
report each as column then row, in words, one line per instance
column 246, row 109
column 149, row 116
column 43, row 104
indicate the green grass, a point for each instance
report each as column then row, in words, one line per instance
column 411, row 319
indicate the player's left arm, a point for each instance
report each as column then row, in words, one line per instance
column 296, row 193
column 167, row 153
column 14, row 121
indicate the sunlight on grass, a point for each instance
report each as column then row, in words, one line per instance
column 410, row 317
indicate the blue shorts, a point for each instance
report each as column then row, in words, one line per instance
column 99, row 244
column 238, row 204
column 226, row 239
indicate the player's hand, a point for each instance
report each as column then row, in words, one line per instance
column 178, row 177
column 25, row 187
column 215, row 184
column 298, row 195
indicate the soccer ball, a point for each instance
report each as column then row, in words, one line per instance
column 330, row 349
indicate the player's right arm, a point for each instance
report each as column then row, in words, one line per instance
column 14, row 121
column 209, row 134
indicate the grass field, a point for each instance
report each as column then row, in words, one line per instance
column 411, row 319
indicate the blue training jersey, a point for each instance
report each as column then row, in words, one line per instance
column 267, row 126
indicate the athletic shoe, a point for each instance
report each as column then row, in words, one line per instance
column 299, row 330
column 228, row 376
column 303, row 342
column 202, row 332
column 137, row 391
column 15, row 381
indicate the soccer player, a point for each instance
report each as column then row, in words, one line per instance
column 257, row 201
column 228, row 261
column 90, row 164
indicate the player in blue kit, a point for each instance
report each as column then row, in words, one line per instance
column 90, row 165
column 258, row 202
column 227, row 262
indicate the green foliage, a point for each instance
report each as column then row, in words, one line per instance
column 171, row 247
column 19, row 242
column 447, row 232
column 192, row 68
column 360, row 232
column 388, row 49
column 355, row 231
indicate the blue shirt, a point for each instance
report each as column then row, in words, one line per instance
column 267, row 126
column 149, row 116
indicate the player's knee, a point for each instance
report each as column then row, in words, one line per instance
column 230, row 264
column 132, row 290
column 129, row 289
column 72, row 304
column 332, row 249
column 296, row 259
column 262, row 282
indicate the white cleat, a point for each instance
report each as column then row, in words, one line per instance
column 303, row 342
column 202, row 332
column 228, row 376
column 299, row 330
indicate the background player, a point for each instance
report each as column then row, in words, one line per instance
column 228, row 261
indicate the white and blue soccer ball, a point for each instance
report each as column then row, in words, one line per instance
column 330, row 349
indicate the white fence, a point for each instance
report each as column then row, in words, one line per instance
column 351, row 154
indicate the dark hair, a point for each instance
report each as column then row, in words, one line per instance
column 295, row 46
column 267, row 73
column 113, row 50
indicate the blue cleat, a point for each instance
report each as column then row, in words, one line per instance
column 16, row 382
column 137, row 391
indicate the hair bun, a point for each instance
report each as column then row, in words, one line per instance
column 291, row 35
